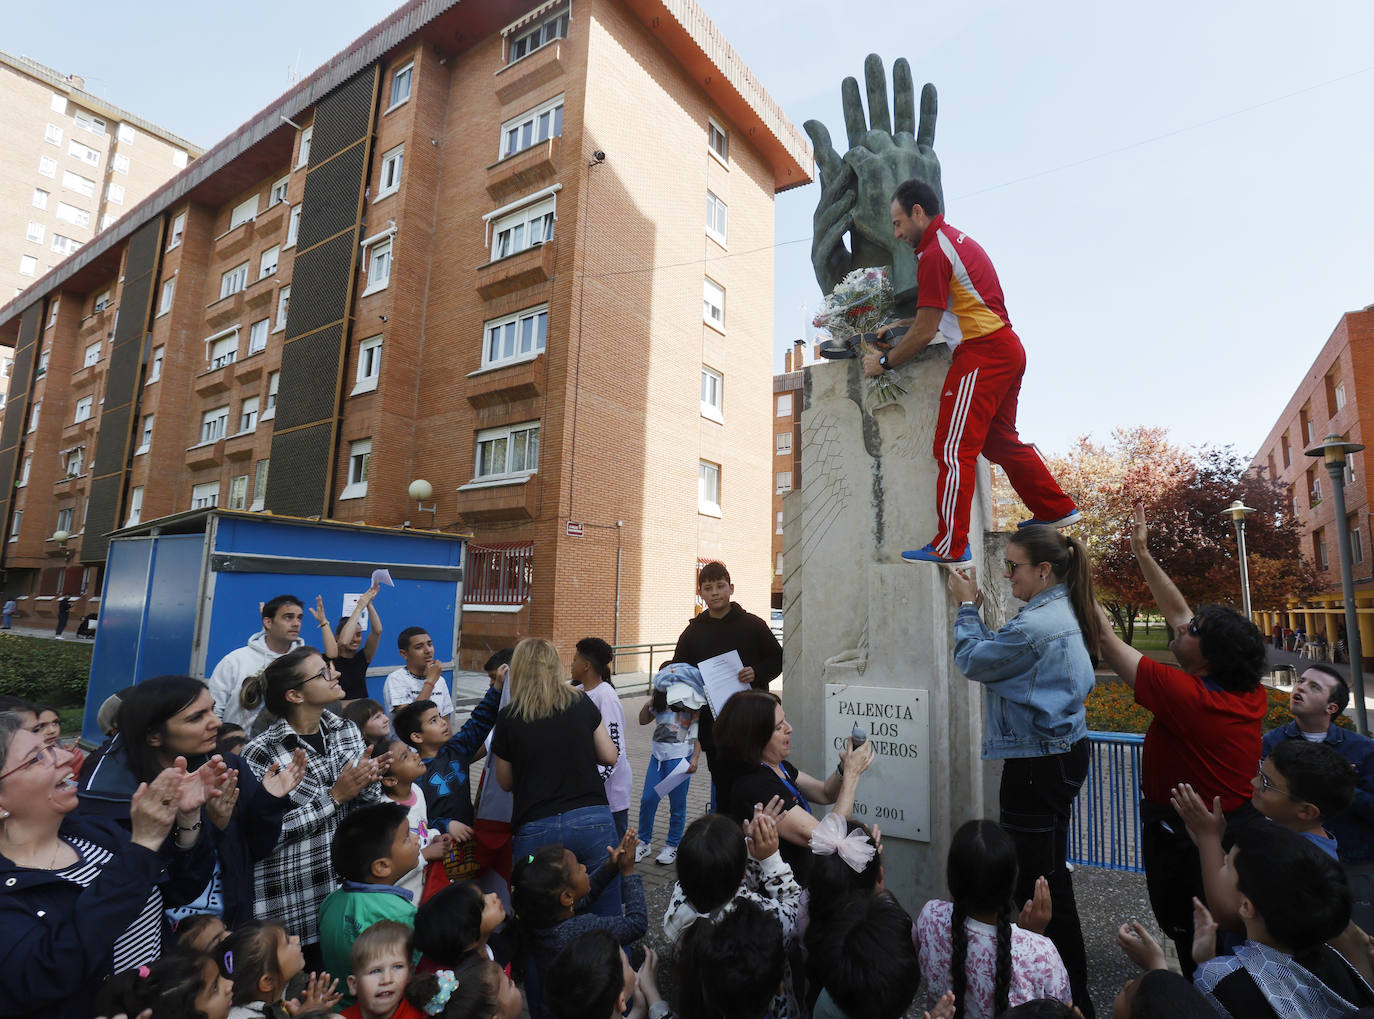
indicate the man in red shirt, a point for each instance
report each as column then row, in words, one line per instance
column 959, row 298
column 1206, row 732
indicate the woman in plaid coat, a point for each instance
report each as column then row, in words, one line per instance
column 340, row 774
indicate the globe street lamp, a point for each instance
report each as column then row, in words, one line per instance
column 1334, row 451
column 1238, row 511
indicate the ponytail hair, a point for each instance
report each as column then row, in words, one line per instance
column 269, row 686
column 474, row 996
column 982, row 879
column 1069, row 562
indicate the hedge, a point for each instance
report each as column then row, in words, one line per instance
column 1112, row 708
column 44, row 670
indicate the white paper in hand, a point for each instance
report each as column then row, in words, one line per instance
column 674, row 778
column 721, row 678
column 380, row 577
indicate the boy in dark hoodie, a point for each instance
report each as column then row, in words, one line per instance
column 726, row 626
column 447, row 758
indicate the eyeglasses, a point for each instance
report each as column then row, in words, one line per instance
column 1266, row 783
column 50, row 754
column 322, row 674
column 1012, row 566
column 1194, row 629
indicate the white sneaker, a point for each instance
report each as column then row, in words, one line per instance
column 642, row 851
column 669, row 855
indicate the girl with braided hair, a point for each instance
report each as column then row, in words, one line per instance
column 972, row 946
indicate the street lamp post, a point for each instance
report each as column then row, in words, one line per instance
column 1334, row 451
column 1238, row 511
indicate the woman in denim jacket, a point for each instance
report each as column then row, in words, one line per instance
column 1037, row 670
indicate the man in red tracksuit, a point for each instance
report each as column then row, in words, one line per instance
column 959, row 298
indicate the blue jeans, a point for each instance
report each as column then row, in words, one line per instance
column 648, row 803
column 587, row 831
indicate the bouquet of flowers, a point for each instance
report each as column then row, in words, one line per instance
column 860, row 304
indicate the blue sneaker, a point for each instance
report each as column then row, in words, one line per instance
column 1064, row 521
column 929, row 555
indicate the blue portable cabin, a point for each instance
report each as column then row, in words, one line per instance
column 183, row 591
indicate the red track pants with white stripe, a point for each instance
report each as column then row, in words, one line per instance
column 978, row 415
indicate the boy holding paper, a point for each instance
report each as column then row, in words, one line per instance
column 725, row 626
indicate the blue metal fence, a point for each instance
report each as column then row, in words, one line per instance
column 1105, row 828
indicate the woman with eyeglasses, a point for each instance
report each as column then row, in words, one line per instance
column 340, row 774
column 167, row 717
column 45, row 721
column 1037, row 671
column 82, row 897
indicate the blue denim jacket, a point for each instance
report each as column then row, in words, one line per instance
column 1353, row 828
column 1037, row 672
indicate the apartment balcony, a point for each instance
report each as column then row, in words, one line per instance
column 225, row 312
column 249, row 369
column 259, row 293
column 270, row 222
column 96, row 325
column 516, row 272
column 205, row 454
column 496, row 386
column 75, row 432
column 237, row 240
column 540, row 67
column 87, row 375
column 483, row 502
column 525, row 171
column 214, row 380
column 240, row 446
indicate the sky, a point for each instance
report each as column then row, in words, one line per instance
column 1177, row 196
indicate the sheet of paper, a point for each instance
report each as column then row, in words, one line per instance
column 382, row 577
column 350, row 602
column 675, row 777
column 721, row 677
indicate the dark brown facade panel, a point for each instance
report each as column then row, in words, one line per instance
column 105, row 495
column 320, row 286
column 17, row 412
column 344, row 116
column 331, row 198
column 125, row 361
column 144, row 247
column 300, row 474
column 309, row 378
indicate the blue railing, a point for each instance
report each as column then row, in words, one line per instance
column 1105, row 828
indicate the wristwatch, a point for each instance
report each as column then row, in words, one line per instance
column 882, row 361
column 963, row 603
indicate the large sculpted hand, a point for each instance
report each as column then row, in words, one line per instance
column 856, row 189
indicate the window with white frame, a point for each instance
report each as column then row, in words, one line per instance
column 214, row 424
column 64, row 520
column 517, row 337
column 359, row 458
column 267, row 265
column 28, row 265
column 509, row 451
column 47, row 166
column 1339, row 394
column 524, row 228
column 40, row 198
column 712, row 394
column 121, row 164
column 58, row 103
column 223, row 348
column 248, row 414
column 233, row 281
column 83, row 152
column 527, row 38
column 179, row 158
column 24, row 471
column 126, row 134
column 293, row 225
column 16, row 521
column 164, row 302
column 278, row 193
column 260, row 484
column 145, row 435
column 74, row 460
column 243, row 212
column 785, row 405
column 784, row 479
column 718, row 139
column 716, row 217
column 369, row 365
column 89, row 122
column 71, row 214
column 83, row 408
column 304, row 156
column 390, row 181
column 400, row 83
column 135, row 506
column 107, row 218
column 155, row 369
column 52, row 133
column 205, row 496
column 64, row 245
column 114, row 193
column 178, row 228
column 238, row 492
column 378, row 257
column 540, row 124
column 708, row 488
column 43, row 357
column 713, row 304
column 75, row 182
column 283, row 304
column 269, row 409
column 784, row 443
column 779, row 531
column 257, row 335
column 102, row 300
column 92, row 355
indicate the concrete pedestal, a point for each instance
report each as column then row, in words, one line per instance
column 857, row 616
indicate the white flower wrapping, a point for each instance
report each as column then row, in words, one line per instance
column 860, row 304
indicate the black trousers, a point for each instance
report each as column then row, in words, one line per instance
column 1037, row 795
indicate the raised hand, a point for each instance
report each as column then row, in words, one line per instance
column 623, row 855
column 280, row 781
column 321, row 992
column 355, row 778
column 1202, row 823
column 200, row 786
column 1140, row 531
column 318, row 611
column 1140, row 946
column 1038, row 910
column 1204, row 932
column 856, row 759
column 153, row 808
column 220, row 809
column 944, row 1008
column 762, row 835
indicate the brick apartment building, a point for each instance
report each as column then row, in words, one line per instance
column 491, row 217
column 786, row 409
column 70, row 165
column 1331, row 398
